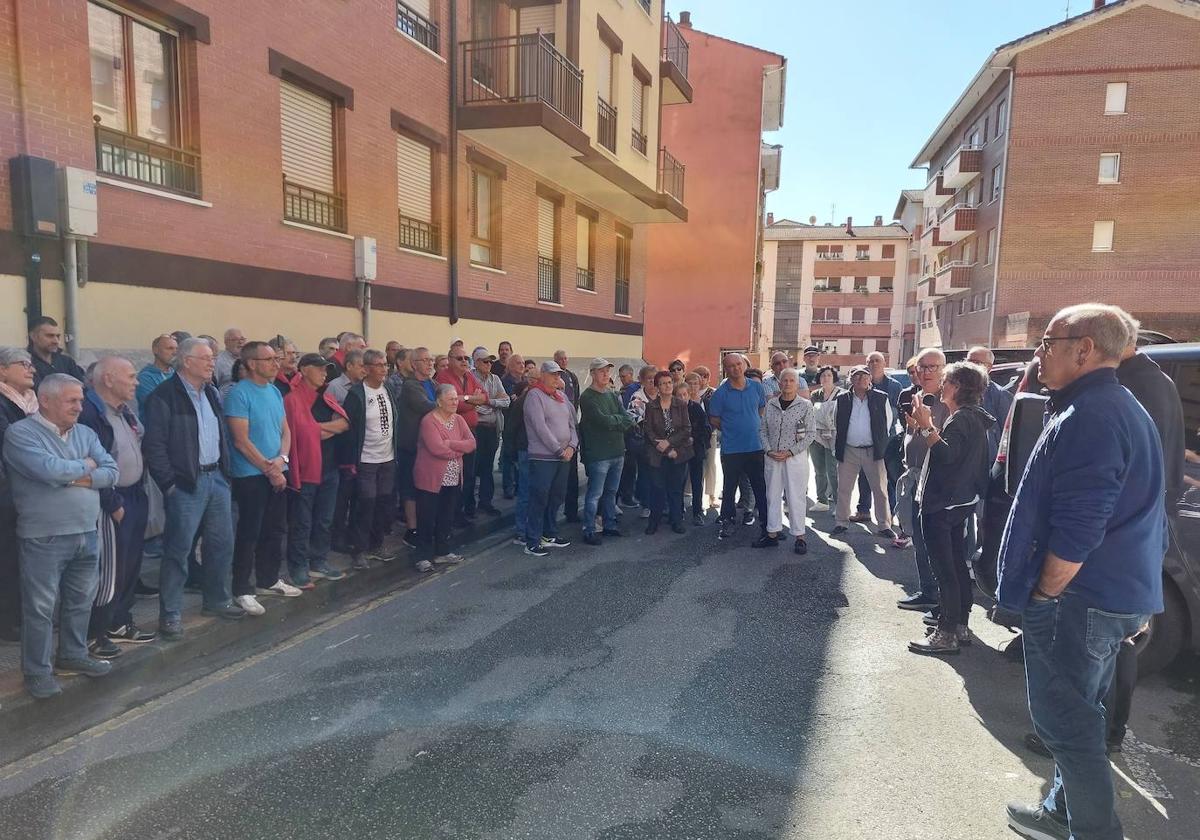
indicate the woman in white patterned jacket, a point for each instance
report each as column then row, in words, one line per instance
column 788, row 427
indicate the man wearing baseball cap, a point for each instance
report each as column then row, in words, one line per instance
column 812, row 365
column 862, row 422
column 487, row 431
column 602, row 426
column 553, row 441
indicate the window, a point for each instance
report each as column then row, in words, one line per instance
column 535, row 19
column 135, row 102
column 862, row 252
column 858, row 316
column 1110, row 168
column 639, row 120
column 856, row 346
column 962, row 306
column 606, row 114
column 997, row 177
column 414, row 20
column 990, row 253
column 970, row 199
column 987, row 299
column 1000, row 116
column 829, row 252
column 825, row 315
column 885, row 284
column 484, row 210
column 835, row 284
column 860, row 284
column 1114, row 97
column 549, row 290
column 968, row 253
column 985, row 129
column 973, row 138
column 889, row 252
column 937, row 312
column 311, row 192
column 883, row 315
column 624, row 246
column 829, row 348
column 414, row 195
column 585, row 252
column 975, row 303
column 1102, row 236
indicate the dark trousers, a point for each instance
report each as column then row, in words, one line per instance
column 487, row 439
column 343, row 510
column 468, row 498
column 310, row 512
column 571, row 492
column 750, row 465
column 928, row 581
column 131, row 538
column 373, row 505
column 10, row 574
column 945, row 539
column 547, row 484
column 261, row 528
column 696, row 476
column 508, row 472
column 629, row 473
column 435, row 516
column 668, row 478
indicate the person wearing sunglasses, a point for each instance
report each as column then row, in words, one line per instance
column 676, row 370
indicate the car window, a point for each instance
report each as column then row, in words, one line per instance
column 1186, row 375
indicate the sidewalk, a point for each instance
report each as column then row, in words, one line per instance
column 146, row 671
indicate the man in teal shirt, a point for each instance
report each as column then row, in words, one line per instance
column 158, row 371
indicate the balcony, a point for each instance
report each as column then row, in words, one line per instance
column 947, row 279
column 963, row 167
column 958, row 222
column 936, row 192
column 313, row 207
column 932, row 239
column 132, row 158
column 841, row 330
column 769, row 162
column 638, row 142
column 670, row 175
column 830, row 299
column 549, row 290
column 606, row 125
column 676, row 89
column 585, row 278
column 416, row 26
column 418, row 235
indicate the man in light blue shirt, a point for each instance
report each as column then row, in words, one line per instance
column 735, row 409
column 770, row 382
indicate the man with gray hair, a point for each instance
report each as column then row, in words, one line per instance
column 1081, row 560
column 352, row 373
column 159, row 369
column 56, row 470
column 347, row 342
column 996, row 400
column 235, row 340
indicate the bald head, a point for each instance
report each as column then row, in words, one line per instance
column 982, row 356
column 115, row 380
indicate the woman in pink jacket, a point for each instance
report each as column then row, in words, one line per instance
column 438, row 476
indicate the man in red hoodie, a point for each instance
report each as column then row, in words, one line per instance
column 471, row 395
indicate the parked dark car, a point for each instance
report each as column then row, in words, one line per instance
column 1177, row 628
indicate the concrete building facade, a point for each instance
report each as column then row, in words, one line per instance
column 505, row 157
column 1060, row 177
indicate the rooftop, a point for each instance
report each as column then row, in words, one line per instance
column 823, row 233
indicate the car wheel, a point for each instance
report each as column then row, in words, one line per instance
column 1167, row 633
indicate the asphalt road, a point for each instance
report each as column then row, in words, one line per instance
column 658, row 687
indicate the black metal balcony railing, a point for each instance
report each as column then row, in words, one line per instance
column 639, row 141
column 419, row 235
column 645, row 4
column 548, row 285
column 585, row 278
column 670, row 175
column 606, row 124
column 522, row 68
column 153, row 164
column 416, row 26
column 621, row 303
column 313, row 207
column 675, row 46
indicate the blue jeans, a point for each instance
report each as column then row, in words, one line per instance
column 604, row 477
column 928, row 581
column 207, row 511
column 65, row 569
column 521, row 508
column 310, row 515
column 1070, row 653
column 547, row 487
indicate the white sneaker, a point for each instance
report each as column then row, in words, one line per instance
column 424, row 566
column 279, row 587
column 818, row 507
column 447, row 560
column 250, row 604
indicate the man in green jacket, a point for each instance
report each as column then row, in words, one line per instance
column 602, row 428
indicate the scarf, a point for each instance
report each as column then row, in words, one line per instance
column 27, row 402
column 554, row 393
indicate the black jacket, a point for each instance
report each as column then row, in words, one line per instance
column 412, row 404
column 10, row 413
column 171, row 445
column 351, row 443
column 959, row 463
column 1159, row 396
column 877, row 405
column 701, row 428
column 95, row 417
column 59, row 363
column 516, row 438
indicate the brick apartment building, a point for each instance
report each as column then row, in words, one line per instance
column 1065, row 173
column 705, row 289
column 840, row 288
column 505, row 157
column 910, row 213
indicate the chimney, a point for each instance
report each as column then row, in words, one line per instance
column 685, row 20
column 770, row 219
column 849, row 224
column 879, row 221
column 1096, row 4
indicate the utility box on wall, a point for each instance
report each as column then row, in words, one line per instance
column 77, row 194
column 364, row 258
column 34, row 196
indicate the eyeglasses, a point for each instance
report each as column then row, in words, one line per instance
column 676, row 370
column 22, row 363
column 929, row 368
column 1047, row 340
column 460, row 358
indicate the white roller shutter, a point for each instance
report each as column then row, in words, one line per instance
column 307, row 137
column 421, row 7
column 534, row 18
column 639, row 93
column 545, row 228
column 583, row 251
column 604, row 80
column 414, row 178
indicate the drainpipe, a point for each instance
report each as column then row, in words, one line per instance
column 1008, row 127
column 452, row 228
column 71, row 328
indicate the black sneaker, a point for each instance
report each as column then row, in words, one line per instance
column 698, row 520
column 678, row 529
column 838, row 530
column 82, row 667
column 727, row 529
column 748, row 518
column 917, row 603
column 229, row 612
column 592, row 539
column 800, row 547
column 144, row 591
column 765, row 541
column 103, row 648
column 170, row 631
column 536, row 551
column 557, row 542
column 131, row 634
column 410, row 538
column 611, row 532
column 1036, row 823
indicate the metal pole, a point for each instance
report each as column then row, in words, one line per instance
column 71, row 328
column 452, row 222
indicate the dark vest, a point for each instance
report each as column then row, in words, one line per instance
column 877, row 407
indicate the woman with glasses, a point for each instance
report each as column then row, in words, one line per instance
column 17, row 401
column 676, row 371
column 824, row 463
column 668, row 429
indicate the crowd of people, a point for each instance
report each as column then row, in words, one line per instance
column 242, row 464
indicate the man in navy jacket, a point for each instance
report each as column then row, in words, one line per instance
column 1081, row 560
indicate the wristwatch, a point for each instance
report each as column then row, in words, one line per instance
column 928, row 432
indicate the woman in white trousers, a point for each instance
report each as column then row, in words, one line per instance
column 787, row 429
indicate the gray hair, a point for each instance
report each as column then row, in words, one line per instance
column 1107, row 326
column 646, row 371
column 445, row 388
column 558, row 353
column 229, row 332
column 108, row 364
column 357, row 356
column 988, row 354
column 416, row 351
column 1133, row 325
column 931, row 351
column 54, row 384
column 372, row 356
column 13, row 355
column 345, row 338
column 970, row 378
column 185, row 349
column 786, row 372
column 877, row 355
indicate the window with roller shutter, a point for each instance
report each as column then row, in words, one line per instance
column 639, row 120
column 547, row 230
column 585, row 248
column 309, row 154
column 485, row 238
column 538, row 18
column 414, row 195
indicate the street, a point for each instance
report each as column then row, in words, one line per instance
column 657, row 687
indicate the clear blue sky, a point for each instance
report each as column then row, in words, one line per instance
column 868, row 81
